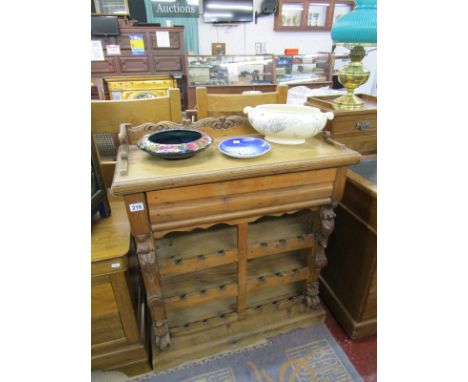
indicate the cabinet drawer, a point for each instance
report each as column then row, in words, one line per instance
column 365, row 142
column 185, row 206
column 167, row 63
column 106, row 66
column 134, row 64
column 358, row 124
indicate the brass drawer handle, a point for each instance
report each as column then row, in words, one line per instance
column 363, row 125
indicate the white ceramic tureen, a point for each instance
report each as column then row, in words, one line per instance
column 287, row 124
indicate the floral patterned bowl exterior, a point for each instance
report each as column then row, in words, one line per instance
column 175, row 143
column 287, row 124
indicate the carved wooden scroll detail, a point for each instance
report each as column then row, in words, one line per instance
column 150, row 270
column 221, row 123
column 323, row 225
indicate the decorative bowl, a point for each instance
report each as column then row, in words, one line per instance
column 244, row 147
column 287, row 124
column 175, row 143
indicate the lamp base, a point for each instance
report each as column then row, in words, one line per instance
column 348, row 102
column 351, row 77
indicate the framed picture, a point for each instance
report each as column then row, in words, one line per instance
column 317, row 16
column 111, row 7
column 218, row 48
column 291, row 14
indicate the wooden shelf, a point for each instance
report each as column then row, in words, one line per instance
column 180, row 253
column 274, row 296
column 272, row 235
column 185, row 319
column 276, row 270
column 190, row 289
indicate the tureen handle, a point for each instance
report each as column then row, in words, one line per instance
column 247, row 109
column 329, row 115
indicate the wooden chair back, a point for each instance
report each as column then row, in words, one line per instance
column 108, row 115
column 218, row 105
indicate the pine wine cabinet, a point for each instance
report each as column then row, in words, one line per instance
column 230, row 250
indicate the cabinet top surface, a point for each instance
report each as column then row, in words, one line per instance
column 326, row 102
column 146, row 173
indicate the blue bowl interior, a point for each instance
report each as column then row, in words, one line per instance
column 174, row 137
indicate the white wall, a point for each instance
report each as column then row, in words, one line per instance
column 241, row 39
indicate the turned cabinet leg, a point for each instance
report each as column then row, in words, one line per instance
column 150, row 270
column 323, row 225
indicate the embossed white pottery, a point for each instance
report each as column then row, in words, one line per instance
column 287, row 124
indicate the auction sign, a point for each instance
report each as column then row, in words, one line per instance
column 175, row 8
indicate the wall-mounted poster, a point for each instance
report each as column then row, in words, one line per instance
column 137, row 44
column 113, row 50
column 97, row 53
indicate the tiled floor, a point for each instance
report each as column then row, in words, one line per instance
column 362, row 353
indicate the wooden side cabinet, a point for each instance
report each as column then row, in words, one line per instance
column 357, row 129
column 118, row 313
column 349, row 282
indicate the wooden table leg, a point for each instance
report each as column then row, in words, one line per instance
column 150, row 270
column 323, row 225
column 137, row 212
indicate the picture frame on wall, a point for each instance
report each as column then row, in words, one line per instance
column 218, row 48
column 111, row 7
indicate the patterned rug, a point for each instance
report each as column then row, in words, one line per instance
column 301, row 355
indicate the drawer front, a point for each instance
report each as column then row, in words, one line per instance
column 134, row 64
column 167, row 63
column 106, row 66
column 187, row 206
column 358, row 124
column 364, row 142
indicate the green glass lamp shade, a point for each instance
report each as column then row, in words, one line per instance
column 358, row 26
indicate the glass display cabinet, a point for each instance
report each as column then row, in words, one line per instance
column 230, row 70
column 309, row 15
column 303, row 68
column 236, row 74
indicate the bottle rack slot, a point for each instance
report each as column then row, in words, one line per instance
column 180, row 253
column 180, row 265
column 219, row 311
column 264, row 248
column 202, row 296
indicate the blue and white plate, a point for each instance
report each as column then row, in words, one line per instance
column 244, row 147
